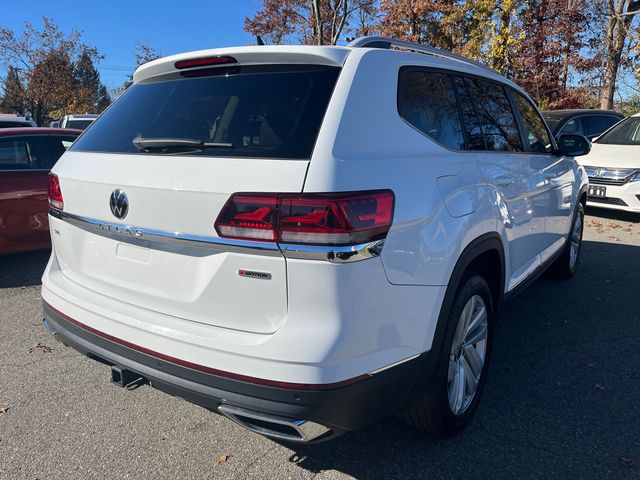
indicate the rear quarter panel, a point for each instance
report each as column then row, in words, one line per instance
column 364, row 144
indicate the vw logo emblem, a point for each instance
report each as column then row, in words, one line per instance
column 119, row 203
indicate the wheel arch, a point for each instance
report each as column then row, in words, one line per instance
column 478, row 253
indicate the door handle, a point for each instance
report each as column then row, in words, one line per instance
column 505, row 181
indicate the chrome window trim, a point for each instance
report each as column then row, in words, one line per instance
column 134, row 234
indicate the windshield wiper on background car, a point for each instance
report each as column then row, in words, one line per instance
column 175, row 145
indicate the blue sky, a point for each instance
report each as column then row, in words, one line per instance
column 115, row 27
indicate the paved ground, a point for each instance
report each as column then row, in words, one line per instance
column 562, row 399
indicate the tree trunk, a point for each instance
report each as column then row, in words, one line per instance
column 317, row 22
column 616, row 37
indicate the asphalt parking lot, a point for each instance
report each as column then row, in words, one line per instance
column 562, row 400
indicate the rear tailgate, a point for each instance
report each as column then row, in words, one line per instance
column 260, row 126
column 198, row 281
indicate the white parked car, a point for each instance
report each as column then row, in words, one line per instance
column 307, row 239
column 77, row 121
column 613, row 167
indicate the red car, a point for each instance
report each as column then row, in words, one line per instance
column 26, row 157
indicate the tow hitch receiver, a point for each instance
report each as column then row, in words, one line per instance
column 126, row 378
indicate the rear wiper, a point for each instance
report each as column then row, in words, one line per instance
column 172, row 145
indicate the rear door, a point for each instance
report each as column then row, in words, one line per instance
column 516, row 174
column 557, row 175
column 257, row 126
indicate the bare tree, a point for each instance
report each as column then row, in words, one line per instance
column 620, row 15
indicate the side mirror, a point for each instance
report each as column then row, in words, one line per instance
column 572, row 145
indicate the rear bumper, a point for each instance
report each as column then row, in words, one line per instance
column 339, row 409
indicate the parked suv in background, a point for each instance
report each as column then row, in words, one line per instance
column 79, row 122
column 307, row 239
column 589, row 123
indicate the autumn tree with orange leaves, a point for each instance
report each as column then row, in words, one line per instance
column 312, row 22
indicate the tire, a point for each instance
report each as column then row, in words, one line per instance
column 566, row 264
column 436, row 412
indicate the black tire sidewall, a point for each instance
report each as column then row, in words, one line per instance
column 579, row 216
column 471, row 284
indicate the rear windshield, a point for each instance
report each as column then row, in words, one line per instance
column 259, row 111
column 78, row 124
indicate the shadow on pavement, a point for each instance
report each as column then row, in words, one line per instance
column 613, row 214
column 561, row 398
column 23, row 269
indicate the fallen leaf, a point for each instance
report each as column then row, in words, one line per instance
column 4, row 409
column 223, row 458
column 599, row 386
column 625, row 462
column 40, row 346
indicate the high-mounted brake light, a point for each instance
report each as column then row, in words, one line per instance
column 314, row 219
column 204, row 62
column 55, row 193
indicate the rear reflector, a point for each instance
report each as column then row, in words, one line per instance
column 203, row 62
column 314, row 219
column 55, row 193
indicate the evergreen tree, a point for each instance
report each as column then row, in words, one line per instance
column 12, row 100
column 88, row 83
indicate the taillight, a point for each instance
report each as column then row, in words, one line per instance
column 205, row 61
column 55, row 193
column 315, row 219
column 251, row 217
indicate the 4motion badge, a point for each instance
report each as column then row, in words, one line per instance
column 252, row 274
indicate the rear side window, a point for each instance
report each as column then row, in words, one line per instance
column 427, row 100
column 534, row 129
column 35, row 153
column 13, row 155
column 497, row 121
column 44, row 151
column 259, row 111
column 473, row 131
column 78, row 124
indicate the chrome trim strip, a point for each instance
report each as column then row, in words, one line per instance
column 394, row 364
column 337, row 254
column 131, row 233
column 617, row 176
column 134, row 234
column 305, row 429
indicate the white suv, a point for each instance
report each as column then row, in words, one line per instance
column 306, row 239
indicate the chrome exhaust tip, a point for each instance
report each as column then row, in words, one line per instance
column 274, row 426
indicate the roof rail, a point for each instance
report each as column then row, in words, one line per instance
column 385, row 42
